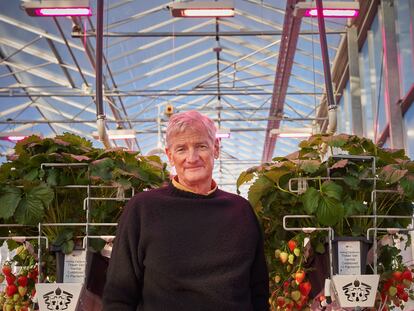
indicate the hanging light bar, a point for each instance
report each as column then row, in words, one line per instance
column 223, row 133
column 57, row 8
column 118, row 134
column 332, row 13
column 202, row 9
column 334, row 9
column 15, row 136
column 292, row 132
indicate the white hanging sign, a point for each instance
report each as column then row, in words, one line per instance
column 74, row 267
column 349, row 257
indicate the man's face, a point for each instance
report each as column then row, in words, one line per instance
column 192, row 153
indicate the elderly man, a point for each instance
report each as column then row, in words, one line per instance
column 189, row 245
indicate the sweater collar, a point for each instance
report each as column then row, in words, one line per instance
column 179, row 186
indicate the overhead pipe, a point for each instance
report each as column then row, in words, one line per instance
column 332, row 116
column 100, row 114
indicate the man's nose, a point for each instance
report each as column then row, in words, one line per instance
column 192, row 155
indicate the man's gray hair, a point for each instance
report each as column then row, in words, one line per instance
column 190, row 120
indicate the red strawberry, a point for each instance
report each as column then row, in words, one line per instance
column 22, row 290
column 22, row 280
column 11, row 290
column 10, row 279
column 280, row 301
column 407, row 275
column 292, row 245
column 6, row 269
column 397, row 275
column 305, row 288
column 299, row 276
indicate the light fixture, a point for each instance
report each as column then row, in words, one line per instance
column 222, row 8
column 14, row 136
column 292, row 132
column 336, row 9
column 223, row 133
column 117, row 134
column 57, row 8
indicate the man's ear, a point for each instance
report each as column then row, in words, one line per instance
column 169, row 155
column 216, row 148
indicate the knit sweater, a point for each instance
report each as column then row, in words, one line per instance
column 179, row 251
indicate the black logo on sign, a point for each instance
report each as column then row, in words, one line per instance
column 356, row 291
column 57, row 300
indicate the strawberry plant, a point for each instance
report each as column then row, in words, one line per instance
column 396, row 280
column 321, row 181
column 19, row 290
column 290, row 289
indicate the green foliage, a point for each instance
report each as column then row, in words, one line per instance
column 31, row 193
column 312, row 182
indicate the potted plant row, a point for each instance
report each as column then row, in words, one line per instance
column 47, row 180
column 332, row 179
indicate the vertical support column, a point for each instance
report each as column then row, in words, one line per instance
column 411, row 6
column 354, row 81
column 372, row 81
column 392, row 77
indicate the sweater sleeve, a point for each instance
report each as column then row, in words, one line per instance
column 259, row 278
column 125, row 274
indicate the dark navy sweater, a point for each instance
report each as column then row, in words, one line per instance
column 178, row 251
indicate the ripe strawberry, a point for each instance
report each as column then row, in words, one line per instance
column 400, row 289
column 280, row 301
column 397, row 275
column 6, row 269
column 407, row 275
column 299, row 276
column 10, row 279
column 292, row 245
column 305, row 288
column 283, row 257
column 11, row 290
column 22, row 280
column 22, row 290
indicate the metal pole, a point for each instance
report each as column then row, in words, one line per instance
column 355, row 81
column 98, row 59
column 325, row 56
column 81, row 34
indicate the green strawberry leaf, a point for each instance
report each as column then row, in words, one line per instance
column 310, row 200
column 332, row 190
column 9, row 198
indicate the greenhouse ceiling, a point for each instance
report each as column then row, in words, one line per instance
column 153, row 62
